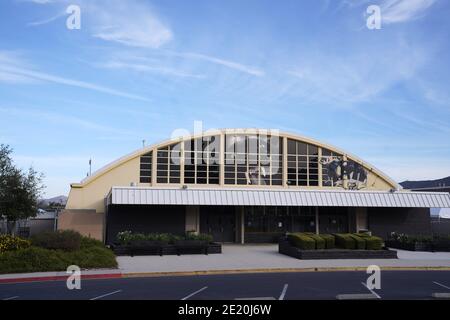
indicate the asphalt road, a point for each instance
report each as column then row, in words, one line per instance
column 279, row 286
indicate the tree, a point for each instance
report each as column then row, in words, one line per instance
column 19, row 190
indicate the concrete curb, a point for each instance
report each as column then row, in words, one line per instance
column 206, row 272
column 274, row 270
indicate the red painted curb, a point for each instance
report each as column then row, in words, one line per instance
column 61, row 278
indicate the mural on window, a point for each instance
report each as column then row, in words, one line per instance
column 334, row 169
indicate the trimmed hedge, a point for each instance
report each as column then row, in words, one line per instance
column 320, row 241
column 329, row 241
column 360, row 242
column 344, row 241
column 372, row 242
column 301, row 241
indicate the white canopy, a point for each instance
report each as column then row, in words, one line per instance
column 276, row 197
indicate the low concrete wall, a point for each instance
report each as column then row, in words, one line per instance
column 87, row 222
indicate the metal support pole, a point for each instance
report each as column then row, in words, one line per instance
column 317, row 220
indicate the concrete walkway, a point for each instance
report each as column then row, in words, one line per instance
column 261, row 257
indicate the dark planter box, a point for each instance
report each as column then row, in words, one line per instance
column 191, row 247
column 165, row 249
column 410, row 246
column 441, row 245
column 286, row 248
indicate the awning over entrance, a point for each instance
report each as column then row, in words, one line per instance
column 272, row 197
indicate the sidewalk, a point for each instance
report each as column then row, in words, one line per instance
column 266, row 257
column 239, row 258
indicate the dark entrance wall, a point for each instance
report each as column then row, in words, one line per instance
column 411, row 221
column 145, row 219
column 219, row 221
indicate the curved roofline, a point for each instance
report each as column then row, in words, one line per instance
column 100, row 172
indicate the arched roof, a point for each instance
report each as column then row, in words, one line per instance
column 104, row 170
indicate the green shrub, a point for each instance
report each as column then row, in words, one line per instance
column 128, row 237
column 67, row 240
column 329, row 241
column 360, row 242
column 301, row 241
column 87, row 242
column 202, row 237
column 374, row 243
column 320, row 242
column 90, row 258
column 35, row 259
column 10, row 243
column 168, row 237
column 344, row 241
column 32, row 259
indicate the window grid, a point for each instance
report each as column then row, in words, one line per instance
column 145, row 175
column 303, row 164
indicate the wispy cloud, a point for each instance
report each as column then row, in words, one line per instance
column 38, row 1
column 148, row 67
column 356, row 77
column 132, row 23
column 46, row 21
column 13, row 71
column 60, row 119
column 135, row 24
column 226, row 63
column 396, row 11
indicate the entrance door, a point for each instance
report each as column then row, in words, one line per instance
column 220, row 222
column 333, row 220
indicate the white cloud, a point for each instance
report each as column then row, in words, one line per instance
column 39, row 1
column 45, row 21
column 396, row 11
column 14, row 70
column 226, row 63
column 139, row 67
column 132, row 23
column 357, row 77
column 60, row 119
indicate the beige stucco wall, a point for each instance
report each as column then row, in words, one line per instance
column 92, row 195
column 374, row 182
column 87, row 222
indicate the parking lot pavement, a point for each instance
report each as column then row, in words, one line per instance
column 262, row 286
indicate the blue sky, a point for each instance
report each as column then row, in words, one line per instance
column 142, row 69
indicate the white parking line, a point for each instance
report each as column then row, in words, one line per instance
column 356, row 296
column 194, row 293
column 440, row 284
column 10, row 298
column 371, row 291
column 106, row 295
column 283, row 293
column 256, row 298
